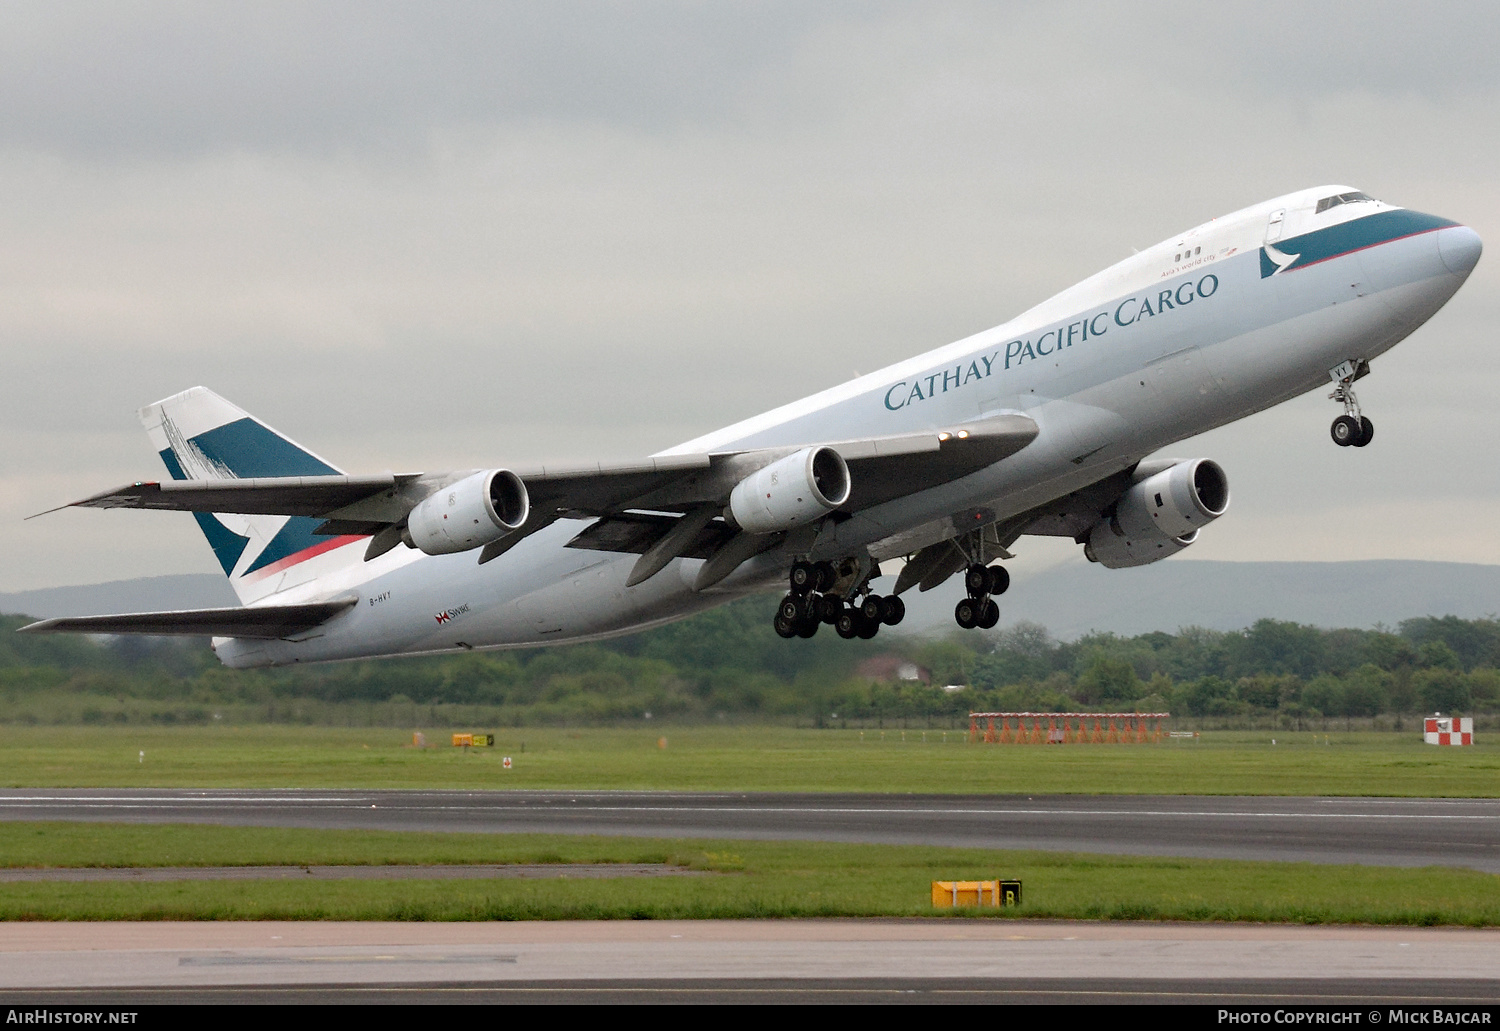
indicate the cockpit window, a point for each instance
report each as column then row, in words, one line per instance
column 1342, row 198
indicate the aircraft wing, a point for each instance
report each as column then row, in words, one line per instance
column 884, row 468
column 881, row 468
column 387, row 498
column 260, row 621
column 269, row 495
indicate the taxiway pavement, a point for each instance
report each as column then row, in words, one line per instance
column 743, row 960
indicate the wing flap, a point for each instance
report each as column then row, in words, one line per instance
column 633, row 533
column 258, row 621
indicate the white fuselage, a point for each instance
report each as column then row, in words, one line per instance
column 1186, row 336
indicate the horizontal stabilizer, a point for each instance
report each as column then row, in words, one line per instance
column 258, row 621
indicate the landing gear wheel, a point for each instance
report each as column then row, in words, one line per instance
column 966, row 613
column 793, row 608
column 828, row 608
column 824, row 575
column 895, row 610
column 808, row 628
column 1346, row 430
column 847, row 625
column 868, row 628
column 802, row 577
column 784, row 628
column 872, row 608
column 990, row 616
column 999, row 580
column 977, row 581
column 1366, row 432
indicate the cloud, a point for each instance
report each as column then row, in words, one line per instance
column 172, row 79
column 418, row 236
column 106, row 80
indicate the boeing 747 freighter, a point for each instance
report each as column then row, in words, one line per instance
column 1047, row 424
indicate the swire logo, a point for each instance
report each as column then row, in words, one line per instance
column 443, row 617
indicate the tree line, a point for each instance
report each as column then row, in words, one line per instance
column 728, row 663
column 1300, row 672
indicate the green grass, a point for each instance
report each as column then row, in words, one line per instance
column 750, row 879
column 745, row 759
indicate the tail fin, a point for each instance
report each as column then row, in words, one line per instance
column 201, row 436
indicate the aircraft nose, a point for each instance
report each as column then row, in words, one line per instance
column 1460, row 248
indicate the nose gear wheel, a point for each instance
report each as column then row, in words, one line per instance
column 1345, row 430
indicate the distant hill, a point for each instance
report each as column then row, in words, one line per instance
column 1073, row 599
column 1069, row 600
column 148, row 594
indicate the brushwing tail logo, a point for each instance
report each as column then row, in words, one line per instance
column 193, row 463
column 1273, row 261
column 228, row 535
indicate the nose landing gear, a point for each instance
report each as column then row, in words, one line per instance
column 1351, row 429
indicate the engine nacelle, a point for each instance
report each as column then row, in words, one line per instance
column 469, row 514
column 791, row 491
column 1116, row 552
column 1160, row 515
column 1176, row 501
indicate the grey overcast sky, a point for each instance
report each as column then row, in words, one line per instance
column 433, row 235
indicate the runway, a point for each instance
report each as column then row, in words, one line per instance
column 885, row 961
column 830, row 961
column 1375, row 831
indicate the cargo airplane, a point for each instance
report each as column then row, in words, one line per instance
column 1046, row 425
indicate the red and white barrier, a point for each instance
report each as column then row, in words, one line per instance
column 1124, row 728
column 1449, row 730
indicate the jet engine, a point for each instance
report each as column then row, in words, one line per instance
column 791, row 491
column 1160, row 515
column 469, row 514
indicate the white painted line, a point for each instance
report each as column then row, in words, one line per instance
column 166, row 800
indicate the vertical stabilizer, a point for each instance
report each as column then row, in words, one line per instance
column 201, row 436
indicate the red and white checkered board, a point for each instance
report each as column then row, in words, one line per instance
column 1449, row 731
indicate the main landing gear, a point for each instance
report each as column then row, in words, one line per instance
column 1351, row 429
column 979, row 609
column 813, row 600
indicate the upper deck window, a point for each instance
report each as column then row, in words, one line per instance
column 1342, row 198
